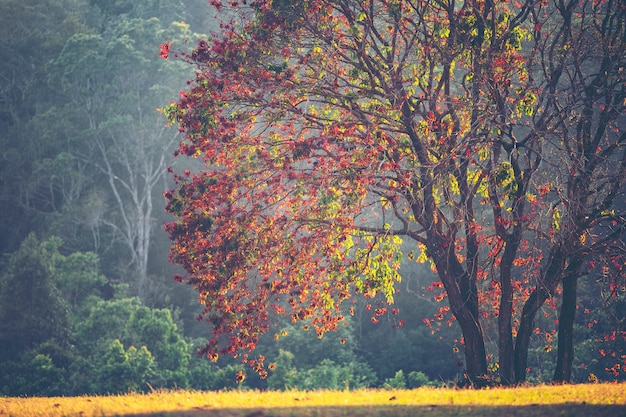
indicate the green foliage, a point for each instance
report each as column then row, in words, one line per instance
column 325, row 375
column 306, row 361
column 397, row 382
column 84, row 70
column 284, row 375
column 126, row 9
column 44, row 370
column 417, row 379
column 207, row 376
column 118, row 344
column 376, row 267
column 77, row 278
column 137, row 327
column 105, row 321
column 38, row 375
column 155, row 328
column 410, row 348
column 122, row 370
column 32, row 310
column 309, row 350
column 88, row 70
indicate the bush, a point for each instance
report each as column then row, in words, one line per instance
column 206, row 376
column 133, row 324
column 326, row 375
column 417, row 379
column 397, row 382
column 284, row 375
column 329, row 375
column 121, row 370
column 36, row 374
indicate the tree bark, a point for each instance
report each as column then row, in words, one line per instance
column 475, row 355
column 565, row 354
column 526, row 328
column 544, row 289
column 506, row 357
column 505, row 336
column 463, row 298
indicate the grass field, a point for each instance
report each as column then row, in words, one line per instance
column 606, row 400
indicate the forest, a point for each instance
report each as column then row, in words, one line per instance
column 96, row 233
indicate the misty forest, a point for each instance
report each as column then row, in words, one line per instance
column 310, row 195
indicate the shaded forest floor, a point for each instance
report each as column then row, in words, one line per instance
column 568, row 400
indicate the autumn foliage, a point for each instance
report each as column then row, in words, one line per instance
column 336, row 137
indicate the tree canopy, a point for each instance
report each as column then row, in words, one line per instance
column 486, row 137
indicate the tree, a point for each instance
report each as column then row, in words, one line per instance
column 584, row 66
column 116, row 85
column 122, row 370
column 156, row 329
column 32, row 310
column 37, row 375
column 135, row 326
column 334, row 131
column 33, row 33
column 77, row 278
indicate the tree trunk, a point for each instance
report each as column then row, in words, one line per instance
column 525, row 331
column 505, row 335
column 475, row 355
column 463, row 299
column 548, row 282
column 464, row 304
column 565, row 354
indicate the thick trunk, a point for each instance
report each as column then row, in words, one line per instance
column 475, row 355
column 463, row 298
column 551, row 278
column 505, row 333
column 464, row 304
column 565, row 354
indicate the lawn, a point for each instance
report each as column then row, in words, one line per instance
column 591, row 400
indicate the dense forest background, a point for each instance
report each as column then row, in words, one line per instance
column 87, row 299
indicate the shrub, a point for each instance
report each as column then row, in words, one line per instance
column 397, row 382
column 121, row 370
column 326, row 375
column 417, row 379
column 284, row 375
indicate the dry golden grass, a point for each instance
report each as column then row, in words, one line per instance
column 566, row 400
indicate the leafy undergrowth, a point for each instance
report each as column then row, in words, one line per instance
column 567, row 400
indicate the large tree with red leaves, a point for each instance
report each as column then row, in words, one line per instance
column 334, row 133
